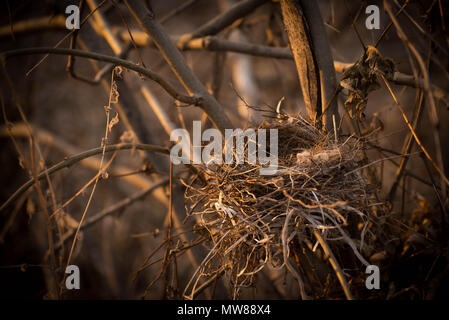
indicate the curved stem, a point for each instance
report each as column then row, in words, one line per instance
column 76, row 158
column 105, row 58
column 335, row 265
column 114, row 208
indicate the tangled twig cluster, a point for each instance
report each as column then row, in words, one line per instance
column 252, row 220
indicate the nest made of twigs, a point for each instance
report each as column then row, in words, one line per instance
column 252, row 220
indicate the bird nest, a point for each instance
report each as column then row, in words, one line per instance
column 317, row 198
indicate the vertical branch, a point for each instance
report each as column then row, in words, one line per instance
column 171, row 54
column 303, row 55
column 313, row 58
column 324, row 61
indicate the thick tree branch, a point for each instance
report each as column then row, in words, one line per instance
column 212, row 43
column 303, row 54
column 324, row 61
column 178, row 65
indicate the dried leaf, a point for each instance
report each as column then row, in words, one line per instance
column 361, row 79
column 113, row 122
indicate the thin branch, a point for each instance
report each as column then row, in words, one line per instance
column 433, row 112
column 24, row 26
column 117, row 207
column 206, row 284
column 76, row 158
column 354, row 26
column 176, row 11
column 440, row 201
column 335, row 265
column 384, row 32
column 444, row 179
column 101, row 27
column 101, row 170
column 423, row 32
column 105, row 58
column 217, row 24
column 407, row 172
column 33, row 171
column 212, row 43
column 43, row 136
column 286, row 254
column 408, row 145
column 65, row 37
column 132, row 115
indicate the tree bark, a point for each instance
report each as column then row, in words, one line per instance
column 313, row 59
column 303, row 55
column 324, row 61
